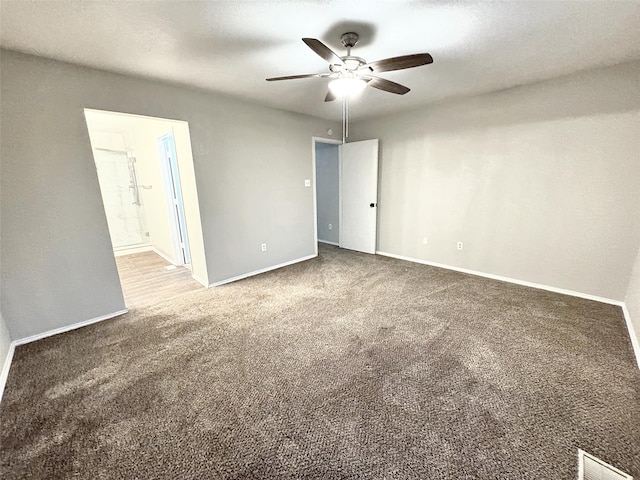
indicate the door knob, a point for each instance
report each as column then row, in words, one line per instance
column 372, row 205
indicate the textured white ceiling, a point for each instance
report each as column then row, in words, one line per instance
column 232, row 46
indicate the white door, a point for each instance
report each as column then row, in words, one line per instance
column 168, row 153
column 359, row 195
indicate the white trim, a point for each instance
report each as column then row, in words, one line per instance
column 262, row 270
column 166, row 257
column 133, row 115
column 173, row 185
column 332, row 141
column 328, row 242
column 132, row 250
column 314, row 194
column 539, row 286
column 340, row 226
column 635, row 342
column 5, row 368
column 315, row 140
column 67, row 328
column 200, row 281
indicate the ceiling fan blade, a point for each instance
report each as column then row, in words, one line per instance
column 322, row 50
column 330, row 96
column 388, row 85
column 400, row 63
column 293, row 77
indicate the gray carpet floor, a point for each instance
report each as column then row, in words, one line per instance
column 347, row 366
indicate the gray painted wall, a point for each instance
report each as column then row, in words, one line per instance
column 327, row 191
column 57, row 263
column 540, row 182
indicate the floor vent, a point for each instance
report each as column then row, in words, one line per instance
column 592, row 468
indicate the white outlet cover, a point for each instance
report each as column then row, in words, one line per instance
column 330, row 227
column 307, row 183
column 424, row 240
column 460, row 245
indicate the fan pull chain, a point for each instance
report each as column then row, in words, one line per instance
column 346, row 126
column 345, row 118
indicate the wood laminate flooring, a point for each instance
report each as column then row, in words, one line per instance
column 146, row 280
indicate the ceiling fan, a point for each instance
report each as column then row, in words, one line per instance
column 351, row 74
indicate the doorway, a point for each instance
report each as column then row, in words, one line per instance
column 346, row 181
column 147, row 181
column 327, row 171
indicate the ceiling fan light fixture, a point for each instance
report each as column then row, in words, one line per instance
column 347, row 86
column 353, row 63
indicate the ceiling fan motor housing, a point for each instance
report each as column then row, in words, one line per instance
column 349, row 39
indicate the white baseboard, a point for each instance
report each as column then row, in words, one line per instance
column 21, row 341
column 67, row 328
column 200, row 281
column 572, row 293
column 328, row 242
column 635, row 341
column 5, row 368
column 263, row 270
column 141, row 249
column 165, row 256
column 524, row 283
column 132, row 250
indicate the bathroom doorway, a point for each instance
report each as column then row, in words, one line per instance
column 146, row 176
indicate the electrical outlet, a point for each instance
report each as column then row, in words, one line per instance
column 330, row 227
column 460, row 245
column 263, row 247
column 424, row 240
column 307, row 183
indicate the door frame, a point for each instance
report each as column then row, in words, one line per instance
column 177, row 216
column 182, row 139
column 315, row 140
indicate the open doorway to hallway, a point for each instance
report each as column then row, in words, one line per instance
column 326, row 166
column 346, row 194
column 146, row 176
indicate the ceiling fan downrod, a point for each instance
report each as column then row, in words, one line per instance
column 349, row 40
